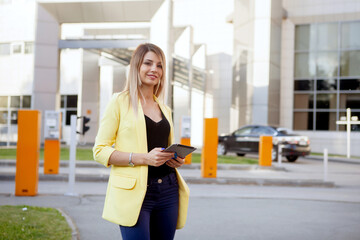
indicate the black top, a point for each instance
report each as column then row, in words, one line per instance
column 157, row 136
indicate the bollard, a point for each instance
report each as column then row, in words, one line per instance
column 209, row 151
column 187, row 142
column 27, row 153
column 265, row 148
column 280, row 147
column 325, row 164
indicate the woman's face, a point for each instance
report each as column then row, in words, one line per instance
column 151, row 69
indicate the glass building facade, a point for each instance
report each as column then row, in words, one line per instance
column 327, row 74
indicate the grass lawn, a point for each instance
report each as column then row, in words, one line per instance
column 33, row 223
column 86, row 154
column 332, row 155
column 81, row 153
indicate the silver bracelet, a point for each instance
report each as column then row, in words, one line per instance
column 131, row 164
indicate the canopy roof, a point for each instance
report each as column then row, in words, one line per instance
column 96, row 11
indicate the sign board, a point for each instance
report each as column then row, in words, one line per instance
column 52, row 125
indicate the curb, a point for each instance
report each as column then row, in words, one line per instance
column 74, row 230
column 63, row 163
column 261, row 182
column 60, row 177
column 334, row 159
column 93, row 164
column 193, row 180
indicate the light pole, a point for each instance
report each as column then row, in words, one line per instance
column 348, row 121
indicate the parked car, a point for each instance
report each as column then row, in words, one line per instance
column 246, row 140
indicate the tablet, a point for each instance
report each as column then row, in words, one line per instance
column 181, row 150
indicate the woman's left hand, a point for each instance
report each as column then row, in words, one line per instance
column 176, row 163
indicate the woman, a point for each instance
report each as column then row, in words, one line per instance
column 146, row 195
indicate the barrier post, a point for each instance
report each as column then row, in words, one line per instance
column 27, row 153
column 265, row 148
column 51, row 156
column 187, row 142
column 72, row 157
column 209, row 150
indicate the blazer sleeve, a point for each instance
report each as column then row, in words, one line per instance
column 106, row 135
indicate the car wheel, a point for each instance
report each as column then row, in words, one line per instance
column 221, row 150
column 292, row 158
column 240, row 154
column 274, row 154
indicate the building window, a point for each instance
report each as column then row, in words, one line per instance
column 9, row 107
column 4, row 49
column 29, row 48
column 3, row 117
column 16, row 48
column 326, row 74
column 4, row 101
column 69, row 106
column 15, row 101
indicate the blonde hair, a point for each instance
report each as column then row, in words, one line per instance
column 133, row 82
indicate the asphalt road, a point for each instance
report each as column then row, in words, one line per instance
column 228, row 211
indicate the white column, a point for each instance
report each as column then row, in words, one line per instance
column 89, row 98
column 287, row 74
column 119, row 78
column 46, row 63
column 161, row 34
column 261, row 58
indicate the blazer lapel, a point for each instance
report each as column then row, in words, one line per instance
column 141, row 129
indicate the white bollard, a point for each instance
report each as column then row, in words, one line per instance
column 279, row 154
column 72, row 157
column 325, row 164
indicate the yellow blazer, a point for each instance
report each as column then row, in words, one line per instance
column 127, row 185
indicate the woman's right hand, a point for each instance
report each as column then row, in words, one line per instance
column 157, row 157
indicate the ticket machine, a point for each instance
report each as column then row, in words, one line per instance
column 52, row 136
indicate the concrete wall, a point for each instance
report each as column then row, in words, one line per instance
column 335, row 142
column 14, row 31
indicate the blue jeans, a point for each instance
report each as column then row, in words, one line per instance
column 159, row 212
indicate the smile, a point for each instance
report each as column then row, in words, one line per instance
column 152, row 76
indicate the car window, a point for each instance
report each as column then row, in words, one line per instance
column 243, row 131
column 284, row 131
column 263, row 131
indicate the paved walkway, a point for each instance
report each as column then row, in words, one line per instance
column 304, row 172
